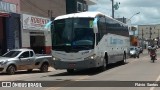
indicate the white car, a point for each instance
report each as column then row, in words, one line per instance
column 149, row 47
column 134, row 52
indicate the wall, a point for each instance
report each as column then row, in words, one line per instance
column 71, row 6
column 25, row 38
column 146, row 31
column 48, row 42
column 40, row 7
column 17, row 2
column 13, row 31
column 43, row 8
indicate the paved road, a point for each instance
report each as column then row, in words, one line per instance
column 139, row 69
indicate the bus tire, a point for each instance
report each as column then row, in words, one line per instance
column 138, row 56
column 70, row 70
column 29, row 70
column 103, row 67
column 124, row 59
column 105, row 62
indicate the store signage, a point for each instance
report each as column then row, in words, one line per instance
column 35, row 23
column 7, row 7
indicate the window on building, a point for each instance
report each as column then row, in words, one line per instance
column 85, row 7
column 79, row 7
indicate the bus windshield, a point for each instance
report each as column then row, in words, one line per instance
column 73, row 34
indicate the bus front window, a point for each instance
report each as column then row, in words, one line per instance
column 83, row 31
column 83, row 36
column 74, row 34
column 62, row 34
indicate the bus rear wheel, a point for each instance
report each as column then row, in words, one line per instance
column 124, row 59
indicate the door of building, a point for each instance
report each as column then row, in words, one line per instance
column 37, row 43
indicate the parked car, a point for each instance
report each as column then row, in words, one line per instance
column 23, row 59
column 156, row 46
column 149, row 47
column 134, row 52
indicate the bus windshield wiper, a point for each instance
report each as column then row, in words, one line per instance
column 62, row 45
column 81, row 46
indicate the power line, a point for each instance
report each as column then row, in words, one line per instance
column 36, row 6
column 29, row 4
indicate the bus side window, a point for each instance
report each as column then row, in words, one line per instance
column 102, row 26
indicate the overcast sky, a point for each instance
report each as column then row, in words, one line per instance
column 149, row 10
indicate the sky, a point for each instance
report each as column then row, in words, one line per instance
column 149, row 10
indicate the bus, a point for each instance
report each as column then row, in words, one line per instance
column 88, row 40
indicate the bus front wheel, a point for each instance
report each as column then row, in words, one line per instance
column 70, row 70
column 103, row 67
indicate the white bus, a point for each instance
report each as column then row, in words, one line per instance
column 88, row 40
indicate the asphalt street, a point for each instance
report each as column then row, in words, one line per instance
column 136, row 69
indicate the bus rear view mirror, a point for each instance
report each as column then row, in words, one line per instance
column 95, row 27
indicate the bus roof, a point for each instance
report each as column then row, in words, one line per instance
column 81, row 14
column 85, row 14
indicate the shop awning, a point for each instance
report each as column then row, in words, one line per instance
column 4, row 14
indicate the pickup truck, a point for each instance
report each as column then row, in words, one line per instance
column 23, row 59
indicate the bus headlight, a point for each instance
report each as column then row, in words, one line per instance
column 55, row 58
column 90, row 57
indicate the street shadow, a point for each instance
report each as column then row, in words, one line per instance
column 91, row 71
column 23, row 72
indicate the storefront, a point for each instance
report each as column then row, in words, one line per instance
column 35, row 35
column 2, row 32
column 8, row 18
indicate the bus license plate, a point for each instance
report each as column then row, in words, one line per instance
column 71, row 65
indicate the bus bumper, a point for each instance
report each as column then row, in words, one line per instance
column 75, row 65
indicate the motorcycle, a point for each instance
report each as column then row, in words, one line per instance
column 153, row 56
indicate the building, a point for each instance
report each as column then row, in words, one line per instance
column 149, row 33
column 34, row 15
column 74, row 6
column 29, row 31
column 9, row 26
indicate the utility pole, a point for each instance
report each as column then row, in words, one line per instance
column 142, row 33
column 112, row 8
column 150, row 33
column 50, row 13
column 158, row 33
column 158, row 38
column 142, row 39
